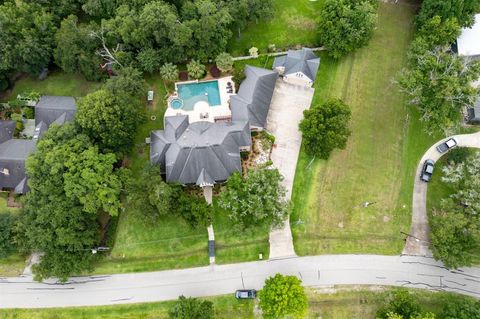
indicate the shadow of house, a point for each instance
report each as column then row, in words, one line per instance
column 14, row 152
column 204, row 153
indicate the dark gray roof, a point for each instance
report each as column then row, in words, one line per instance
column 303, row 60
column 55, row 109
column 199, row 153
column 7, row 128
column 254, row 96
column 13, row 154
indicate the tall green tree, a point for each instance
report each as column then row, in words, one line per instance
column 26, row 37
column 401, row 303
column 463, row 11
column 150, row 195
column 325, row 127
column 149, row 60
column 129, row 81
column 75, row 49
column 346, row 25
column 70, row 184
column 191, row 308
column 438, row 83
column 109, row 120
column 456, row 223
column 283, row 296
column 257, row 199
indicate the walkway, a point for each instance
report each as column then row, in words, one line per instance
column 286, row 112
column 417, row 243
column 316, row 271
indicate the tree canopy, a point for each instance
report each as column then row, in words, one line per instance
column 110, row 120
column 438, row 83
column 463, row 11
column 26, row 37
column 70, row 184
column 346, row 25
column 325, row 127
column 192, row 308
column 456, row 223
column 283, row 296
column 257, row 199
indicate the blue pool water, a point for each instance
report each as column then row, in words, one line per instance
column 176, row 103
column 192, row 93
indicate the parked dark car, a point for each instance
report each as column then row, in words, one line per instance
column 427, row 170
column 445, row 146
column 246, row 294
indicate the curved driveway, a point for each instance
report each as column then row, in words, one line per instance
column 315, row 271
column 417, row 243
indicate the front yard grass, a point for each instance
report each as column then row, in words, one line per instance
column 343, row 304
column 379, row 161
column 293, row 23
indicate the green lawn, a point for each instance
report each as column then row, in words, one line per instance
column 294, row 23
column 344, row 304
column 379, row 161
column 57, row 83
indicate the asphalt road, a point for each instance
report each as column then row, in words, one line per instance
column 327, row 270
column 417, row 244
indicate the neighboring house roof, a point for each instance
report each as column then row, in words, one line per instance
column 304, row 61
column 468, row 44
column 55, row 109
column 13, row 154
column 254, row 96
column 7, row 128
column 199, row 153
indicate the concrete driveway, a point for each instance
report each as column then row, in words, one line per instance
column 417, row 244
column 286, row 111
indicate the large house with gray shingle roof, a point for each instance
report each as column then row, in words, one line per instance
column 298, row 66
column 14, row 152
column 204, row 153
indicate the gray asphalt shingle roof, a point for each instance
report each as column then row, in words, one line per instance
column 55, row 109
column 303, row 60
column 204, row 153
column 7, row 128
column 254, row 96
column 13, row 154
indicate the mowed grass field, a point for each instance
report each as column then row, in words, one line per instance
column 294, row 23
column 343, row 304
column 379, row 161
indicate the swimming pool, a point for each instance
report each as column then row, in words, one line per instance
column 191, row 93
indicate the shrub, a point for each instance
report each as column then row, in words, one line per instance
column 238, row 76
column 224, row 62
column 215, row 72
column 183, row 75
column 195, row 69
column 253, row 51
column 28, row 113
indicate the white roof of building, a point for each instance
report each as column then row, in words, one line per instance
column 468, row 43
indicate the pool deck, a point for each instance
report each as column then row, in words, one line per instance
column 202, row 111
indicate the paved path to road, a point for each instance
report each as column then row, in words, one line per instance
column 286, row 111
column 417, row 244
column 315, row 271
